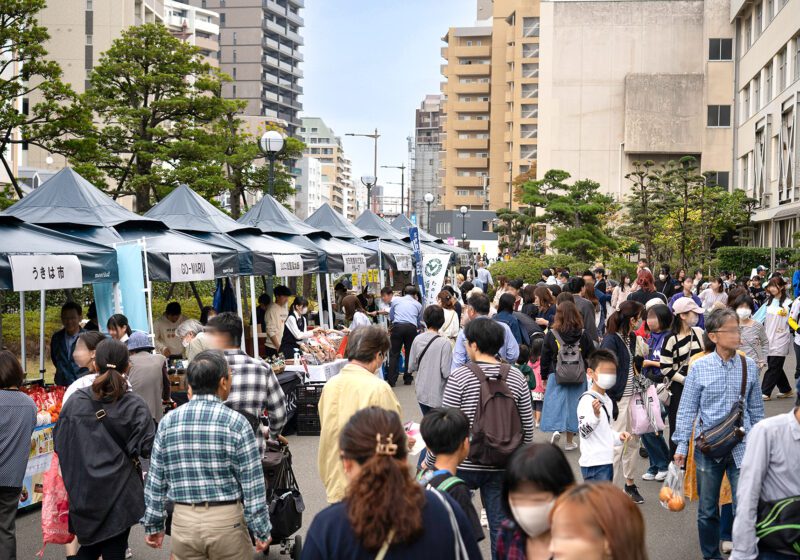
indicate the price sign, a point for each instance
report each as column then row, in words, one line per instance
column 31, row 273
column 355, row 264
column 404, row 263
column 288, row 265
column 190, row 268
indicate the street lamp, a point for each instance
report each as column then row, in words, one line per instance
column 463, row 211
column 402, row 169
column 428, row 198
column 369, row 182
column 271, row 143
column 374, row 137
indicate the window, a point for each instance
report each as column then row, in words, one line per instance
column 718, row 178
column 88, row 39
column 234, row 56
column 222, row 19
column 234, row 37
column 234, row 72
column 748, row 33
column 759, row 14
column 530, row 27
column 234, row 91
column 89, row 7
column 768, row 81
column 746, row 102
column 204, row 4
column 782, row 57
column 797, row 57
column 757, row 92
column 769, row 9
column 462, row 192
column 745, row 173
column 720, row 49
column 469, row 43
column 314, row 130
column 486, row 225
column 719, row 115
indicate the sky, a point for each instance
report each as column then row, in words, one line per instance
column 370, row 63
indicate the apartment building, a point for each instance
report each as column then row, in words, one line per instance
column 195, row 26
column 323, row 144
column 625, row 81
column 766, row 149
column 424, row 149
column 308, row 195
column 260, row 49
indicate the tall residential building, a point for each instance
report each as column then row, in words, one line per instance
column 195, row 26
column 308, row 187
column 491, row 75
column 323, row 144
column 766, row 144
column 424, row 149
column 260, row 49
column 625, row 81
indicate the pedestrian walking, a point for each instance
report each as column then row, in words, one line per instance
column 621, row 291
column 585, row 307
column 450, row 328
column 718, row 385
column 206, row 459
column 430, row 360
column 478, row 310
column 687, row 290
column 714, row 296
column 148, row 374
column 755, row 343
column 774, row 314
column 645, row 289
column 405, row 318
column 505, row 314
column 18, row 418
column 100, row 435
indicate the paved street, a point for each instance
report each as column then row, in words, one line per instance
column 662, row 526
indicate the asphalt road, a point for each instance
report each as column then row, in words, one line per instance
column 669, row 535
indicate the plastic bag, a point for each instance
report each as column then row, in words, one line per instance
column 55, row 508
column 671, row 494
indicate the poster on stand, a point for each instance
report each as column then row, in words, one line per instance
column 38, row 463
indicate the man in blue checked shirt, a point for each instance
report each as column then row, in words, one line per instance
column 710, row 391
column 205, row 458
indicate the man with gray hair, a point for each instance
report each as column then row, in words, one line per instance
column 192, row 336
column 711, row 390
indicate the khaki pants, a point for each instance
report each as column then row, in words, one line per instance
column 628, row 453
column 210, row 533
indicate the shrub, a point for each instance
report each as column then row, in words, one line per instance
column 742, row 260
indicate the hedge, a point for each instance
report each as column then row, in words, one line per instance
column 742, row 260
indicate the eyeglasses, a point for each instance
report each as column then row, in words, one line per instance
column 727, row 331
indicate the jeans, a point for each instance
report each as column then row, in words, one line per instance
column 775, row 376
column 424, row 453
column 709, row 481
column 491, row 486
column 726, row 522
column 658, row 452
column 599, row 473
column 797, row 360
column 402, row 336
column 9, row 499
column 110, row 549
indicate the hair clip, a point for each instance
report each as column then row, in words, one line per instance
column 111, row 366
column 389, row 448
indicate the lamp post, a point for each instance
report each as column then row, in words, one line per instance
column 402, row 169
column 374, row 137
column 271, row 143
column 463, row 211
column 369, row 182
column 428, row 198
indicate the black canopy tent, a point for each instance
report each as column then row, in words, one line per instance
column 270, row 216
column 327, row 219
column 373, row 224
column 401, row 224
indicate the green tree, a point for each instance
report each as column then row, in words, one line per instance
column 26, row 73
column 643, row 205
column 683, row 190
column 153, row 101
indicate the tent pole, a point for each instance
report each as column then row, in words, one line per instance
column 320, row 321
column 330, row 300
column 42, row 304
column 253, row 322
column 197, row 296
column 237, row 282
column 22, row 332
column 148, row 287
column 171, row 291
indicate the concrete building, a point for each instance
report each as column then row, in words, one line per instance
column 424, row 149
column 323, row 144
column 195, row 26
column 766, row 149
column 260, row 49
column 473, row 230
column 624, row 81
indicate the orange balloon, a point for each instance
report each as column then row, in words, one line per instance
column 666, row 494
column 676, row 503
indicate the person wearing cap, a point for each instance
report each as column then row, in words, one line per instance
column 148, row 373
column 687, row 290
column 685, row 341
column 275, row 316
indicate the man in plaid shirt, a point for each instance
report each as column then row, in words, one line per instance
column 254, row 387
column 206, row 460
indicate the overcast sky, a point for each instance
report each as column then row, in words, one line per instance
column 370, row 63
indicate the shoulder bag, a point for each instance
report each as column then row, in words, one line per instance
column 431, row 341
column 720, row 439
column 100, row 414
column 778, row 526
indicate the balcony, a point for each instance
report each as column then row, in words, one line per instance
column 468, row 182
column 205, row 44
column 470, row 125
column 470, row 143
column 274, row 27
column 468, row 106
column 471, row 69
column 471, row 88
column 475, row 51
column 444, row 52
column 296, row 19
column 471, row 163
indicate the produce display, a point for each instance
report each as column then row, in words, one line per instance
column 48, row 402
column 277, row 364
column 322, row 347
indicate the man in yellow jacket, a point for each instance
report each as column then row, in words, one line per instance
column 355, row 387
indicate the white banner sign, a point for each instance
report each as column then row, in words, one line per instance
column 404, row 263
column 434, row 268
column 355, row 264
column 31, row 273
column 190, row 268
column 288, row 265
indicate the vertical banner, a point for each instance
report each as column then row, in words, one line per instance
column 131, row 286
column 413, row 233
column 434, row 270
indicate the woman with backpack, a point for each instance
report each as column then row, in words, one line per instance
column 563, row 363
column 630, row 350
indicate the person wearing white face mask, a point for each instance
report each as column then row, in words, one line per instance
column 598, row 438
column 755, row 343
column 294, row 330
column 536, row 475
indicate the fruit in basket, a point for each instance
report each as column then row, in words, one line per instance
column 666, row 494
column 676, row 503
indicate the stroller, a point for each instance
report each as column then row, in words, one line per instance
column 285, row 501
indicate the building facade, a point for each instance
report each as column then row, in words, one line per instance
column 195, row 26
column 766, row 149
column 472, row 230
column 308, row 187
column 625, row 81
column 424, row 149
column 260, row 44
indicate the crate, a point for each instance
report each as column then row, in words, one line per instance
column 307, row 410
column 309, row 393
column 308, row 426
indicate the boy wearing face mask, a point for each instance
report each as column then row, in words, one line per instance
column 598, row 439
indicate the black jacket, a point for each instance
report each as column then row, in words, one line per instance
column 67, row 371
column 614, row 342
column 106, row 495
column 550, row 349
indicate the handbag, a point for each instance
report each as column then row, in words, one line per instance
column 645, row 412
column 778, row 526
column 720, row 439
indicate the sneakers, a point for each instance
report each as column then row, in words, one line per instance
column 128, row 553
column 726, row 547
column 786, row 395
column 766, row 397
column 555, row 438
column 659, row 476
column 649, row 476
column 633, row 492
column 570, row 446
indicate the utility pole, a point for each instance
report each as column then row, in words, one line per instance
column 402, row 169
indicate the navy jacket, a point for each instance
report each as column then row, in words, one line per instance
column 67, row 370
column 613, row 342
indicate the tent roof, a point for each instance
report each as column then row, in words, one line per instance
column 373, row 224
column 270, row 216
column 68, row 198
column 327, row 219
column 401, row 223
column 183, row 209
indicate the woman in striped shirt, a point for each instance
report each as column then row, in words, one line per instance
column 686, row 341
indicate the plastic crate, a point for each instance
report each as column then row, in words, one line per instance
column 306, row 410
column 308, row 426
column 309, row 393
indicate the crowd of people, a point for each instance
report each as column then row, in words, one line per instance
column 672, row 369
